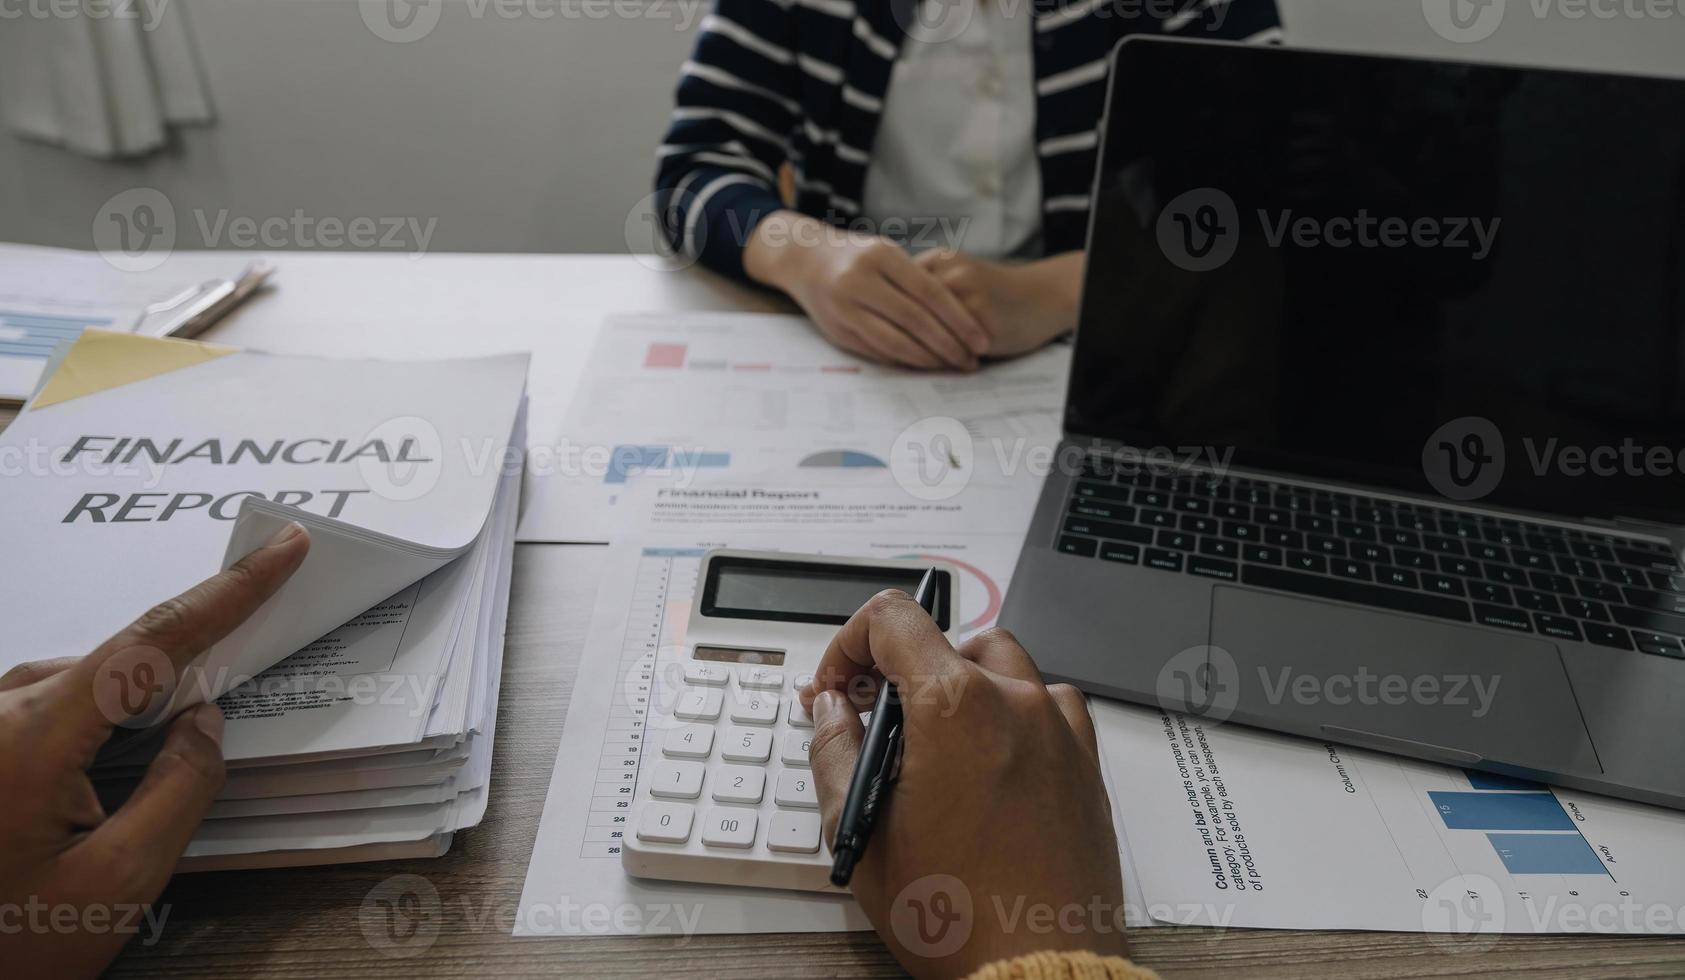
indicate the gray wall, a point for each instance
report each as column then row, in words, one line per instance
column 515, row 131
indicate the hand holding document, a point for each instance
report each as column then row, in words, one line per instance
column 143, row 465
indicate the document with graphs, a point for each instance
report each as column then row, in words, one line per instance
column 762, row 401
column 1254, row 829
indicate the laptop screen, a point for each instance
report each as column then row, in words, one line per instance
column 1439, row 278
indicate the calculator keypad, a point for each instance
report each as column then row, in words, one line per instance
column 732, row 773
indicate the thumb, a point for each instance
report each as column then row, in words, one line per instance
column 834, row 750
column 147, row 835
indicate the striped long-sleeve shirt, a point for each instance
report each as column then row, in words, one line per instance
column 803, row 82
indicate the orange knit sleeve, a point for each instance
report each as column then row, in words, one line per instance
column 1064, row 966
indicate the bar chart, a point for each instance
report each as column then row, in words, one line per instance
column 1523, row 821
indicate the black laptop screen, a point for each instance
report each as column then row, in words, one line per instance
column 1454, row 280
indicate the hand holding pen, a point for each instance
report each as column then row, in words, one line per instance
column 997, row 807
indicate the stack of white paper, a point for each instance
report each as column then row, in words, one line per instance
column 361, row 699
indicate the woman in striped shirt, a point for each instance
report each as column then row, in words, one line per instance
column 913, row 173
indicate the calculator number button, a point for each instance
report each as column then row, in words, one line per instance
column 666, row 823
column 754, row 708
column 699, row 704
column 793, row 750
column 796, row 789
column 747, row 745
column 795, row 831
column 739, row 784
column 688, row 742
column 799, row 718
column 729, row 826
column 677, row 780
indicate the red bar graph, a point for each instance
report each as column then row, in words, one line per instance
column 665, row 356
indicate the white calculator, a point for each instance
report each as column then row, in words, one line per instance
column 724, row 791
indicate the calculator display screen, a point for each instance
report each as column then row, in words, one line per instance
column 806, row 592
column 738, row 655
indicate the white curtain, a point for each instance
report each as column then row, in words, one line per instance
column 104, row 85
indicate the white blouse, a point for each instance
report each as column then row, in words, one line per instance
column 954, row 160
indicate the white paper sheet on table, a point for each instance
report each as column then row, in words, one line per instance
column 1297, row 834
column 761, row 399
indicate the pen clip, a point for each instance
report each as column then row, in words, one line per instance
column 890, row 772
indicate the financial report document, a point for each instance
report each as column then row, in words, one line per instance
column 762, row 402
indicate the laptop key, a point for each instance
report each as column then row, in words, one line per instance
column 1532, row 560
column 1557, row 627
column 1419, row 560
column 1372, row 553
column 1360, row 593
column 1552, row 582
column 1304, row 561
column 1242, row 531
column 1659, row 644
column 1577, row 567
column 1537, row 601
column 1401, row 539
column 1601, row 591
column 1192, row 505
column 1490, row 592
column 1209, row 567
column 1314, row 524
column 1195, row 524
column 1357, row 532
column 1668, row 602
column 1668, row 583
column 1092, row 507
column 1159, row 558
column 1592, row 550
column 1234, row 512
column 1647, row 559
column 1443, row 584
column 1261, row 553
column 1157, row 518
column 1490, row 552
column 1453, row 565
column 1152, row 498
column 1608, row 636
column 1621, row 575
column 1282, row 538
column 1104, row 491
column 1648, row 619
column 1586, row 609
column 1402, row 578
column 1070, row 544
column 1107, row 529
column 1118, row 551
column 1510, row 619
column 1506, row 575
column 1175, row 540
column 1326, row 546
column 1272, row 517
column 1346, row 568
column 1219, row 548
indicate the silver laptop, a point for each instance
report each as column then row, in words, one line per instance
column 1376, row 417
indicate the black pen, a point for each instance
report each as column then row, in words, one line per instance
column 878, row 767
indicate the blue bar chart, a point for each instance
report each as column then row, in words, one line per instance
column 1523, row 822
column 1500, row 811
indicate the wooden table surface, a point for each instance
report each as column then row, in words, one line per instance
column 307, row 923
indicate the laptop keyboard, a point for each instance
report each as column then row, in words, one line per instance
column 1563, row 583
